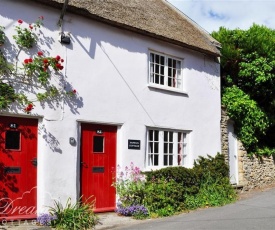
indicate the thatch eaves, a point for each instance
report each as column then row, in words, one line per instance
column 154, row 18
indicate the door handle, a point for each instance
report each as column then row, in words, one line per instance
column 34, row 161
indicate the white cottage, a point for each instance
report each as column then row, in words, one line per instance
column 148, row 91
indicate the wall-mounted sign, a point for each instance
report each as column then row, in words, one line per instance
column 99, row 131
column 134, row 144
column 13, row 125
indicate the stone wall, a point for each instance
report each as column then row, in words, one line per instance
column 253, row 171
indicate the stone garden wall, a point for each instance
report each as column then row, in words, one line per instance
column 253, row 171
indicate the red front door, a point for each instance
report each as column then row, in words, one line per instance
column 18, row 168
column 98, row 165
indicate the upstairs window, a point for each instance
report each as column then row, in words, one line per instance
column 165, row 71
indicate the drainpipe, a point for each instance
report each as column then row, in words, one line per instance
column 60, row 22
column 63, row 38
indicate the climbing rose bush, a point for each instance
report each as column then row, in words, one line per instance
column 38, row 74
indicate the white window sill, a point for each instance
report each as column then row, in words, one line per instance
column 174, row 90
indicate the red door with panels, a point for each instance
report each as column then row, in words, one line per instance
column 98, row 165
column 18, row 168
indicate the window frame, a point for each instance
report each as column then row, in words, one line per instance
column 179, row 148
column 152, row 83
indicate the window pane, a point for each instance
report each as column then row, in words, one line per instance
column 170, row 160
column 157, row 59
column 12, row 140
column 181, row 148
column 151, row 132
column 98, row 144
column 165, row 135
column 165, row 160
column 156, row 160
column 169, row 62
column 162, row 60
column 162, row 80
column 152, row 58
column 156, row 135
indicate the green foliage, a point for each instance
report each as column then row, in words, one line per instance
column 7, row 95
column 248, row 71
column 174, row 189
column 187, row 178
column 73, row 216
column 2, row 35
column 213, row 167
column 164, row 197
column 19, row 80
column 26, row 37
column 129, row 185
column 212, row 192
column 251, row 121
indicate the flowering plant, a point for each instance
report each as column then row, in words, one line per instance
column 130, row 185
column 39, row 66
column 137, row 211
column 34, row 73
column 45, row 219
column 26, row 37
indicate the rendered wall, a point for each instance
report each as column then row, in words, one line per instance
column 109, row 69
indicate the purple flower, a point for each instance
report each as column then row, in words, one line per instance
column 45, row 219
column 132, row 210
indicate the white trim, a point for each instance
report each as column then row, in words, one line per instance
column 6, row 114
column 166, row 88
column 100, row 122
column 161, row 150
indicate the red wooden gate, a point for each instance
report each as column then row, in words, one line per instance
column 18, row 168
column 98, row 165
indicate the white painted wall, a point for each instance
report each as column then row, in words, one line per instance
column 109, row 69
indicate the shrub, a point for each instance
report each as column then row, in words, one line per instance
column 212, row 192
column 215, row 166
column 186, row 178
column 164, row 197
column 73, row 216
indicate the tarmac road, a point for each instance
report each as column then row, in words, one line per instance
column 255, row 212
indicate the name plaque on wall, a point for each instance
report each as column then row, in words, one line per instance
column 134, row 144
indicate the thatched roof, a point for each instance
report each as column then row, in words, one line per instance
column 155, row 18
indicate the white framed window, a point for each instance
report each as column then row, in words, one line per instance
column 166, row 148
column 165, row 71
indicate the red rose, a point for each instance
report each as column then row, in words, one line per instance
column 61, row 67
column 29, row 108
column 30, row 26
column 40, row 53
column 57, row 57
column 26, row 61
column 30, row 60
column 45, row 60
column 74, row 91
column 62, row 60
column 20, row 21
